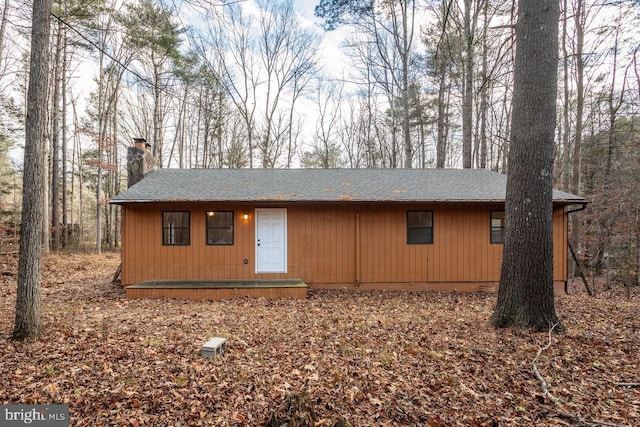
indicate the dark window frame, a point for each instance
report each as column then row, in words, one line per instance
column 166, row 228
column 496, row 233
column 208, row 228
column 413, row 239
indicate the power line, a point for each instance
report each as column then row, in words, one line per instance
column 166, row 89
column 92, row 43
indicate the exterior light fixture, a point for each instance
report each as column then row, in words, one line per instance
column 245, row 217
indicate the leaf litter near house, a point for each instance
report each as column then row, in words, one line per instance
column 338, row 358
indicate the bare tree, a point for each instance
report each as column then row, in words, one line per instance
column 325, row 148
column 383, row 48
column 233, row 48
column 265, row 64
column 55, row 137
column 440, row 64
column 287, row 54
column 355, row 133
column 470, row 14
column 113, row 58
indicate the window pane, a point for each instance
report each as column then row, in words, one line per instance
column 419, row 218
column 219, row 228
column 176, row 236
column 219, row 219
column 177, row 219
column 420, row 235
column 220, row 236
column 419, row 227
column 497, row 227
column 175, row 228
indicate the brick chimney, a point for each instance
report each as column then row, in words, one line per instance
column 139, row 160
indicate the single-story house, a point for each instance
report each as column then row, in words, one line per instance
column 186, row 231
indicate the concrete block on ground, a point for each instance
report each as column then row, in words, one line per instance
column 214, row 347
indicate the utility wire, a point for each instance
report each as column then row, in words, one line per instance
column 166, row 89
column 114, row 59
column 124, row 66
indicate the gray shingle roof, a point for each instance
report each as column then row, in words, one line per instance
column 322, row 185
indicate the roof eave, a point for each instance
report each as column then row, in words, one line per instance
column 277, row 200
column 345, row 200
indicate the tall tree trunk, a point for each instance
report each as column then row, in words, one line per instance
column 566, row 127
column 99, row 220
column 46, row 211
column 484, row 90
column 55, row 142
column 394, row 140
column 27, row 320
column 115, row 186
column 205, row 137
column 80, row 185
column 525, row 296
column 3, row 28
column 73, row 162
column 194, row 154
column 441, row 60
column 441, row 143
column 637, row 235
column 157, row 117
column 183, row 121
column 606, row 221
column 100, row 143
column 406, row 53
column 292, row 143
column 181, row 136
column 372, row 154
column 467, row 100
column 577, row 144
column 65, row 217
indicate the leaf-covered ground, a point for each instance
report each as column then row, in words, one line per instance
column 374, row 358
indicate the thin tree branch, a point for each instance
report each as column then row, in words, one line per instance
column 543, row 382
column 558, row 405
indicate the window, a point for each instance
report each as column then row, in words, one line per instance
column 419, row 227
column 176, row 229
column 219, row 228
column 497, row 226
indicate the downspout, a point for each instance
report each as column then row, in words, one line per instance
column 357, row 254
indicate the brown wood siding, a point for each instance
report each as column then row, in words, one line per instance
column 321, row 243
column 461, row 250
column 560, row 238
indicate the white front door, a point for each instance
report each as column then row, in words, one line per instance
column 271, row 240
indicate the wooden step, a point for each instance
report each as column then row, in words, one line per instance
column 218, row 289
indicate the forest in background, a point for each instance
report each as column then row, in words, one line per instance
column 256, row 84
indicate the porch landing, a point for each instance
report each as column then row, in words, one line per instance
column 218, row 289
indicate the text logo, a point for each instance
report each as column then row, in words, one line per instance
column 34, row 415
